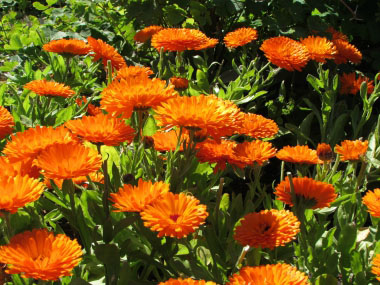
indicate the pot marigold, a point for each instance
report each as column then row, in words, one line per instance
column 286, row 53
column 271, row 274
column 92, row 110
column 257, row 126
column 351, row 150
column 179, row 83
column 167, row 141
column 211, row 43
column 106, row 52
column 349, row 84
column 301, row 154
column 319, row 48
column 324, row 152
column 346, row 52
column 49, row 88
column 376, row 266
column 6, row 122
column 131, row 198
column 146, row 33
column 240, row 37
column 267, row 229
column 309, row 192
column 336, row 35
column 372, row 201
column 40, row 255
column 67, row 47
column 174, row 215
column 134, row 72
column 186, row 281
column 255, row 151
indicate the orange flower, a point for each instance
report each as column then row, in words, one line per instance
column 351, row 150
column 187, row 281
column 134, row 199
column 41, row 255
column 267, row 229
column 298, row 154
column 173, row 39
column 209, row 44
column 67, row 47
column 351, row 85
column 179, row 83
column 336, row 35
column 102, row 129
column 214, row 116
column 346, row 52
column 371, row 200
column 49, row 88
column 92, row 110
column 240, row 37
column 128, row 94
column 319, row 48
column 6, row 122
column 167, row 141
column 146, row 33
column 22, row 167
column 66, row 161
column 134, row 72
column 106, row 52
column 257, row 126
column 174, row 215
column 286, row 53
column 254, row 151
column 309, row 192
column 376, row 266
column 324, row 152
column 28, row 144
column 271, row 274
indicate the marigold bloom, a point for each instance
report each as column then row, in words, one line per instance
column 346, row 52
column 372, row 201
column 40, row 255
column 66, row 161
column 92, row 110
column 301, row 154
column 179, row 83
column 211, row 43
column 257, row 126
column 22, row 167
column 186, row 281
column 102, row 129
column 134, row 72
column 131, row 198
column 106, row 52
column 351, row 85
column 255, row 151
column 271, row 274
column 351, row 150
column 240, row 37
column 336, row 35
column 324, row 152
column 376, row 266
column 214, row 116
column 128, row 94
column 174, row 215
column 319, row 48
column 286, row 53
column 167, row 141
column 309, row 192
column 49, row 88
column 6, row 122
column 146, row 33
column 80, row 180
column 67, row 47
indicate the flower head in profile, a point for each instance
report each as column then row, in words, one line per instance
column 211, row 43
column 286, row 53
column 267, row 229
column 372, row 201
column 67, row 47
column 349, row 84
column 346, row 52
column 351, row 150
column 179, row 83
column 257, row 126
column 256, row 151
column 174, row 215
column 49, row 88
column 20, row 167
column 131, row 198
column 104, row 51
column 146, row 33
column 271, row 274
column 40, row 254
column 301, row 154
column 336, row 35
column 6, row 122
column 324, row 152
column 102, row 129
column 186, row 281
column 319, row 48
column 92, row 110
column 240, row 37
column 134, row 72
column 168, row 141
column 310, row 193
column 376, row 266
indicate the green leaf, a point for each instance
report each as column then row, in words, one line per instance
column 150, row 127
column 64, row 115
column 326, row 279
column 225, row 202
column 51, row 2
column 39, row 6
column 109, row 255
column 8, row 66
column 202, row 81
column 315, row 82
column 347, row 239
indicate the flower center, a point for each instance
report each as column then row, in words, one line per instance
column 174, row 217
column 264, row 227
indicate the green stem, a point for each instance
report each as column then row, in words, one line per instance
column 109, row 71
column 218, row 200
column 106, row 184
column 361, row 175
column 9, row 230
column 241, row 257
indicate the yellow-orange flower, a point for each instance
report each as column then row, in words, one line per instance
column 6, row 122
column 372, row 201
column 267, row 229
column 309, row 192
column 22, row 167
column 186, row 281
column 324, row 152
column 167, row 141
column 174, row 215
column 146, row 33
column 106, row 52
column 255, row 151
column 49, row 88
column 376, row 266
column 257, row 126
column 81, row 180
column 351, row 150
column 286, row 53
column 346, row 52
column 179, row 83
column 214, row 116
column 271, row 274
column 67, row 47
column 66, row 161
column 92, row 110
column 134, row 72
column 102, row 129
column 349, row 84
column 298, row 154
column 336, row 35
column 40, row 255
column 209, row 44
column 319, row 48
column 131, row 198
column 240, row 37
column 128, row 94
